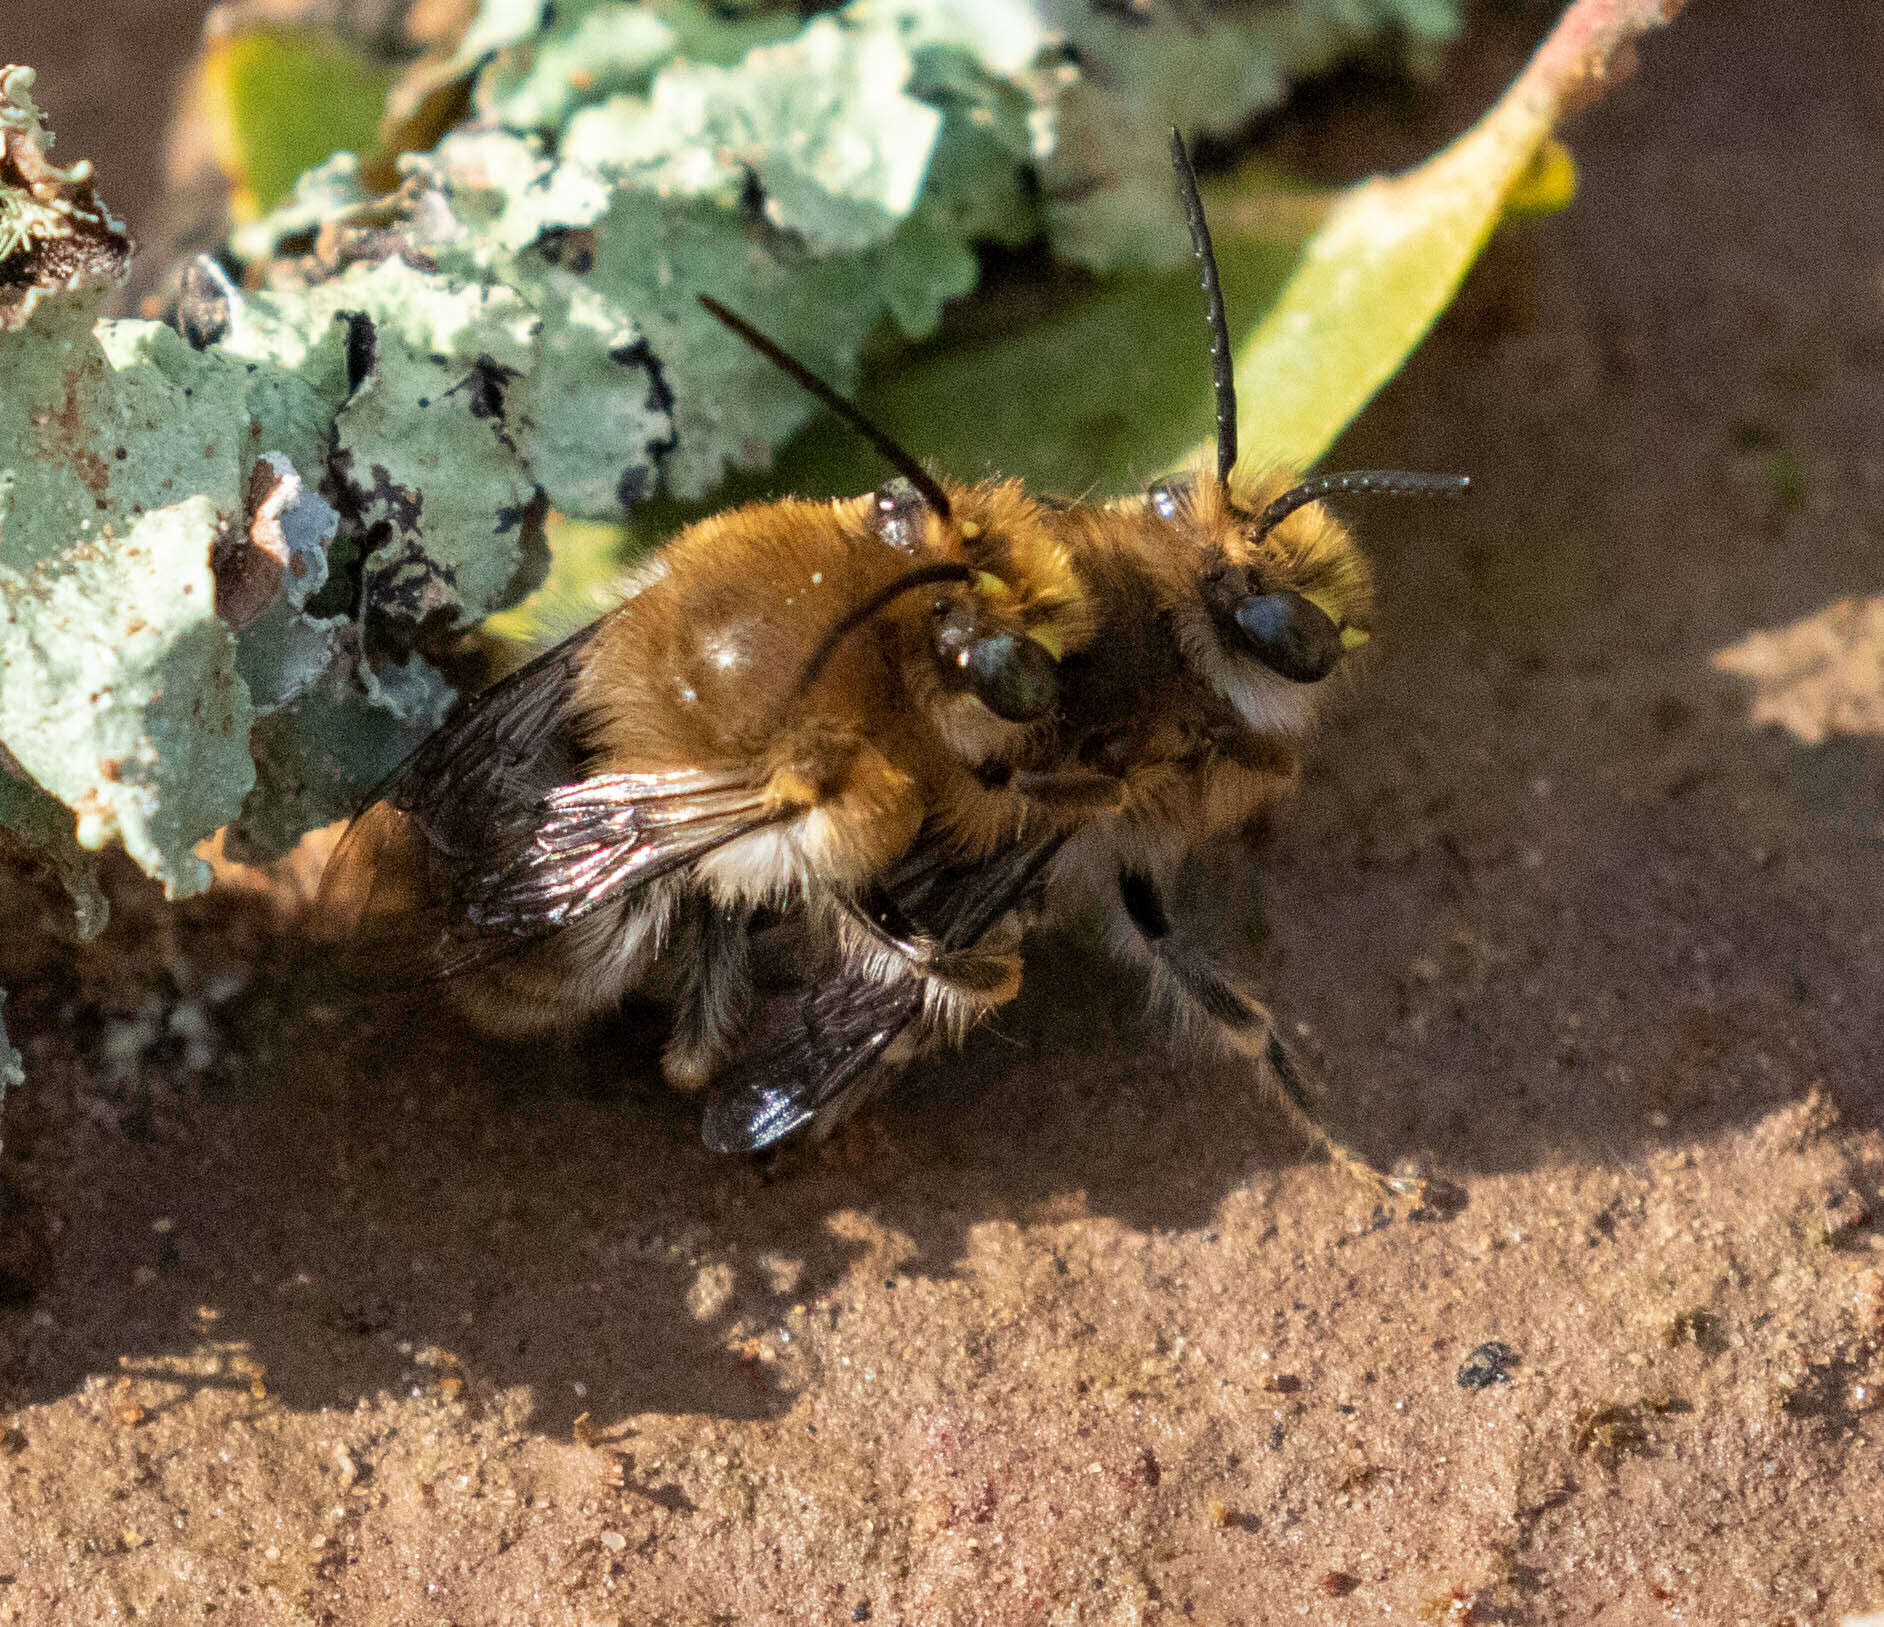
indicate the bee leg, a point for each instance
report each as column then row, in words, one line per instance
column 959, row 986
column 960, row 989
column 1210, row 1006
column 715, row 993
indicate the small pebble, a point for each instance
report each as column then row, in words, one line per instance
column 1489, row 1364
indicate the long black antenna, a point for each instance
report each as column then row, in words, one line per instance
column 1361, row 483
column 794, row 369
column 841, row 629
column 1222, row 364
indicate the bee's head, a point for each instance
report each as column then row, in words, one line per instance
column 1281, row 590
column 997, row 637
column 1265, row 609
column 1001, row 600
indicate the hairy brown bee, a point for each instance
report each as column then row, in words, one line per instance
column 1221, row 605
column 889, row 733
column 785, row 697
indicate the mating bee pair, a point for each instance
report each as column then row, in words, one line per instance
column 893, row 731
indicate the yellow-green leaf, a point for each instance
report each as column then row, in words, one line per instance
column 1392, row 252
column 281, row 100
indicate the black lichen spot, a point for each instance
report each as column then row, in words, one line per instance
column 362, row 347
column 752, row 195
column 636, row 480
column 632, row 488
column 1489, row 1364
column 400, row 504
column 571, row 247
column 660, row 397
column 405, row 584
column 485, row 387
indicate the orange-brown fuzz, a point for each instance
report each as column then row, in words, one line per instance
column 1311, row 551
column 702, row 669
column 1145, row 574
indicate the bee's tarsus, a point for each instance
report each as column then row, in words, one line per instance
column 1286, row 1072
column 1222, row 363
column 849, row 411
column 1359, row 483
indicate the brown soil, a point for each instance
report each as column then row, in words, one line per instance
column 305, row 1315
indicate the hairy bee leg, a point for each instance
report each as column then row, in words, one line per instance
column 959, row 987
column 714, row 999
column 1209, row 1006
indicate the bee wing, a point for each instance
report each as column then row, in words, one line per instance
column 428, row 823
column 486, row 838
column 504, row 750
column 931, row 908
column 584, row 842
column 823, row 1058
column 823, row 1051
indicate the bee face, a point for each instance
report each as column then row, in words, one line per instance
column 1262, row 613
column 983, row 654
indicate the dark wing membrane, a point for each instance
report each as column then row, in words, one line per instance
column 496, row 756
column 930, row 901
column 430, row 823
column 820, row 1053
column 584, row 842
column 821, row 1059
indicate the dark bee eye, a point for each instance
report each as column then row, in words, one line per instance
column 1169, row 495
column 1291, row 636
column 1012, row 676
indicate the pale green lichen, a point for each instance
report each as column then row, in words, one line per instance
column 820, row 124
column 118, row 691
column 55, row 236
column 588, row 52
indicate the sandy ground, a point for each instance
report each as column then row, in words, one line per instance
column 306, row 1315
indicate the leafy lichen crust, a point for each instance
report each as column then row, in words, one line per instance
column 55, row 236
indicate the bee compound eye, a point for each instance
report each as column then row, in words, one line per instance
column 1293, row 637
column 1012, row 676
column 899, row 514
column 1168, row 496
